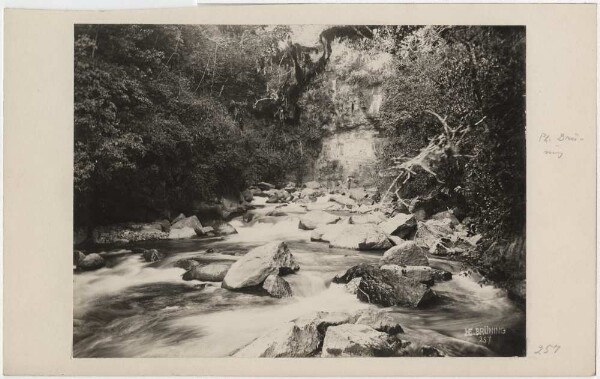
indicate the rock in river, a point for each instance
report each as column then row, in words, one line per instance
column 389, row 288
column 276, row 286
column 152, row 255
column 254, row 267
column 355, row 340
column 213, row 272
column 379, row 320
column 313, row 219
column 91, row 262
column 401, row 225
column 299, row 338
column 360, row 237
column 407, row 253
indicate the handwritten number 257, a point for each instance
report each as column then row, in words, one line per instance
column 548, row 349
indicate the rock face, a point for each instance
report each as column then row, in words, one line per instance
column 388, row 288
column 213, row 272
column 299, row 338
column 407, row 253
column 276, row 286
column 355, row 340
column 360, row 237
column 91, row 262
column 401, row 225
column 254, row 267
column 380, row 321
column 152, row 255
column 313, row 219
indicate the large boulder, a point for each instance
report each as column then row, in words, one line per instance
column 431, row 232
column 278, row 196
column 328, row 206
column 407, row 253
column 355, row 340
column 379, row 320
column 185, row 232
column 91, row 262
column 276, row 286
column 422, row 274
column 302, row 337
column 129, row 232
column 447, row 216
column 186, row 264
column 360, row 237
column 212, row 272
column 188, row 222
column 401, row 225
column 253, row 268
column 311, row 220
column 389, row 288
column 369, row 218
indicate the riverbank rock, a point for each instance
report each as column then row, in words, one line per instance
column 401, row 225
column 357, row 193
column 357, row 271
column 212, row 272
column 389, row 288
column 323, row 206
column 407, row 253
column 379, row 320
column 278, row 196
column 301, row 337
column 352, row 286
column 369, row 218
column 360, row 237
column 91, row 262
column 355, row 340
column 254, row 267
column 311, row 220
column 78, row 256
column 276, row 286
column 152, row 255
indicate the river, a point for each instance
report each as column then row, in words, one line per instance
column 132, row 308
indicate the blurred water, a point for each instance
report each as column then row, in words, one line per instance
column 138, row 309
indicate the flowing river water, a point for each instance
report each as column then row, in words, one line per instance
column 132, row 308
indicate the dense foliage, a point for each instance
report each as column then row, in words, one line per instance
column 167, row 115
column 472, row 76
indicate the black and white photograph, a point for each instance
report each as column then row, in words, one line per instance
column 299, row 191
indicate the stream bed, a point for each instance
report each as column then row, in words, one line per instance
column 132, row 308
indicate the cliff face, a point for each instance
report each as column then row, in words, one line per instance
column 350, row 148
